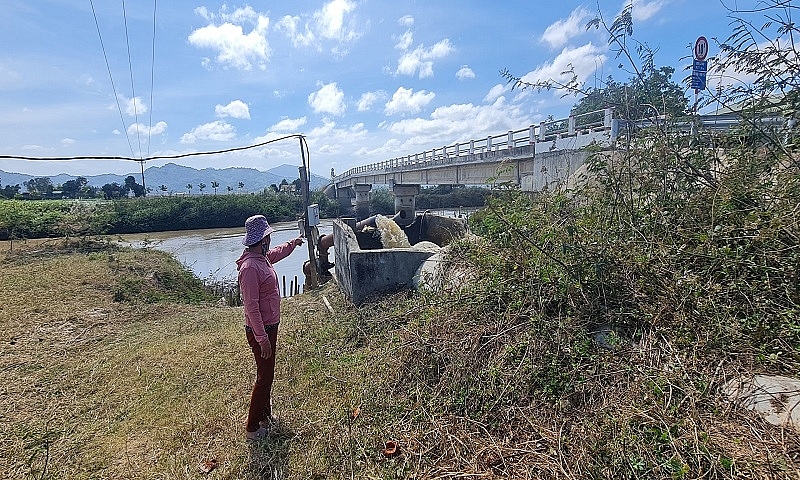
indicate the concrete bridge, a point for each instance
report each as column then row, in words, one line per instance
column 532, row 158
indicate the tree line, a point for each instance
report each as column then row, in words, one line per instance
column 43, row 188
column 79, row 188
column 66, row 217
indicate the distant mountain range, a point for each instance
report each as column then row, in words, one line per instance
column 176, row 177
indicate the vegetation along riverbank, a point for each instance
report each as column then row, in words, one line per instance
column 22, row 219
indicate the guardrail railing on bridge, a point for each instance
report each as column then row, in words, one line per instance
column 720, row 122
column 591, row 122
column 547, row 131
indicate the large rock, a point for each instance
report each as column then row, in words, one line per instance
column 774, row 397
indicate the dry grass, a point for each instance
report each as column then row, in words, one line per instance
column 98, row 388
column 147, row 386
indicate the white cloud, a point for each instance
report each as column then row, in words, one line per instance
column 328, row 99
column 405, row 41
column 405, row 100
column 234, row 47
column 289, row 25
column 583, row 60
column 406, row 20
column 421, row 59
column 465, row 73
column 144, row 132
column 368, row 99
column 235, row 109
column 330, row 19
column 331, row 22
column 288, row 125
column 559, row 33
column 645, row 10
column 239, row 15
column 448, row 125
column 329, row 139
column 325, row 139
column 495, row 93
column 217, row 131
column 134, row 106
column 86, row 80
column 729, row 77
column 67, row 142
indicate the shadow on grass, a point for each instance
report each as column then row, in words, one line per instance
column 269, row 458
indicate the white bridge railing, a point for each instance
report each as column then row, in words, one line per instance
column 596, row 123
column 574, row 125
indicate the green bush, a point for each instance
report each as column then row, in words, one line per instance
column 47, row 218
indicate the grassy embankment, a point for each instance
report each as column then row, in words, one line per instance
column 117, row 366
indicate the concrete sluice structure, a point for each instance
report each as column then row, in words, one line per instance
column 366, row 269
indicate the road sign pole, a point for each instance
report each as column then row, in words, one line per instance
column 699, row 69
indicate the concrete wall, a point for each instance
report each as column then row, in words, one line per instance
column 363, row 274
column 550, row 169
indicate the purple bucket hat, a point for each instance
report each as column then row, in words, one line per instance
column 257, row 228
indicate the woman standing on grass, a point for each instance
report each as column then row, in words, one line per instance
column 261, row 297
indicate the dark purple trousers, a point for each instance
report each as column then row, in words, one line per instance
column 260, row 406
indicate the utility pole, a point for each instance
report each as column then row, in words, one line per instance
column 305, row 187
column 144, row 187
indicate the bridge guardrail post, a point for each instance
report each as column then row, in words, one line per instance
column 489, row 143
column 571, row 126
column 472, row 147
column 532, row 135
column 510, row 140
column 541, row 132
column 607, row 117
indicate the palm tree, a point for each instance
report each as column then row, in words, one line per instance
column 241, row 185
column 189, row 187
column 201, row 186
column 215, row 185
column 230, row 189
column 163, row 189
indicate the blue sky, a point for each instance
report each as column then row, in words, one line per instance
column 364, row 80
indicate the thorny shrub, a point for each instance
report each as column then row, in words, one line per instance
column 623, row 305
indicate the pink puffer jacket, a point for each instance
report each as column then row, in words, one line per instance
column 258, row 283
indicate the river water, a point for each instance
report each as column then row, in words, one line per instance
column 211, row 254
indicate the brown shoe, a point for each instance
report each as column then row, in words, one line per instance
column 269, row 422
column 259, row 434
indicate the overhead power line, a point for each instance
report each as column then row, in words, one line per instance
column 130, row 70
column 158, row 157
column 152, row 77
column 111, row 77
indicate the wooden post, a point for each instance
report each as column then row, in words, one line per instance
column 284, row 285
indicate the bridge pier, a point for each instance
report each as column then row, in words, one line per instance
column 405, row 203
column 362, row 200
column 344, row 197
